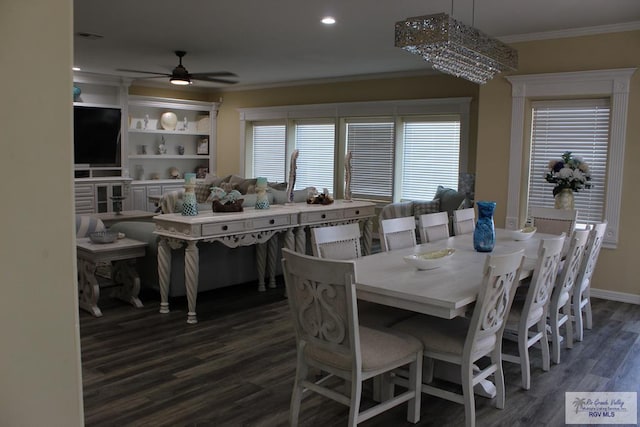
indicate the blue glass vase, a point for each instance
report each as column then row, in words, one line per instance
column 484, row 235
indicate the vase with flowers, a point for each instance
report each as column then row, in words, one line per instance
column 569, row 174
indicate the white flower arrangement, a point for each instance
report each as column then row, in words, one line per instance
column 569, row 172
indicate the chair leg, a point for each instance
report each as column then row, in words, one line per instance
column 523, row 353
column 555, row 338
column 496, row 359
column 354, row 406
column 302, row 371
column 427, row 370
column 415, row 385
column 577, row 315
column 544, row 343
column 467, row 394
column 588, row 318
column 568, row 325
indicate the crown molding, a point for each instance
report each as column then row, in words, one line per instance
column 572, row 32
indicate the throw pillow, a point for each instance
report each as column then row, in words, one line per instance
column 248, row 186
column 425, row 207
column 450, row 199
column 277, row 185
column 202, row 191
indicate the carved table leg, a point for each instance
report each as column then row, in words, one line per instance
column 164, row 273
column 88, row 288
column 124, row 273
column 272, row 259
column 367, row 233
column 261, row 261
column 191, row 266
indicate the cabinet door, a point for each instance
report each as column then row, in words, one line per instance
column 153, row 190
column 139, row 198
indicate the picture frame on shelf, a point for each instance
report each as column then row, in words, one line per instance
column 201, row 172
column 203, row 146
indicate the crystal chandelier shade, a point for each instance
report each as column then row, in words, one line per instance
column 455, row 48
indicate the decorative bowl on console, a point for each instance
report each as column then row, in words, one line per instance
column 235, row 206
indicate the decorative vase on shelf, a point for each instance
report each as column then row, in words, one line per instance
column 484, row 235
column 564, row 199
column 189, row 203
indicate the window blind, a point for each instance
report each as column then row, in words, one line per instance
column 315, row 143
column 269, row 157
column 579, row 126
column 431, row 156
column 372, row 149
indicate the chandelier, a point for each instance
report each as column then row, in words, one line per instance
column 455, row 48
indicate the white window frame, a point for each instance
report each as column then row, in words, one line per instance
column 339, row 111
column 613, row 83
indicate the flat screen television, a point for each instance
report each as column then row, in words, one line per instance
column 96, row 135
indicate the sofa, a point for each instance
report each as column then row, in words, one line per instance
column 445, row 200
column 220, row 266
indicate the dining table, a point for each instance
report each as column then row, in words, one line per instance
column 447, row 291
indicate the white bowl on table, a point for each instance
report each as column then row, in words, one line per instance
column 430, row 260
column 524, row 233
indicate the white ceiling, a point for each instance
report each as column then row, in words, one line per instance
column 267, row 42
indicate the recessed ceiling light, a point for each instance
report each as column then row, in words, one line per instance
column 75, row 68
column 328, row 20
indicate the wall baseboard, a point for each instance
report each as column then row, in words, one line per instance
column 615, row 296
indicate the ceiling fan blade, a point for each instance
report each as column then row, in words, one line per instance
column 212, row 79
column 214, row 74
column 143, row 72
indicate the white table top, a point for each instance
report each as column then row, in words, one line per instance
column 445, row 291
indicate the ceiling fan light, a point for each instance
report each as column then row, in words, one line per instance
column 180, row 81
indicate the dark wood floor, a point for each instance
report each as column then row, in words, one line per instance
column 236, row 367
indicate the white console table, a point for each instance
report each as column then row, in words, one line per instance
column 252, row 226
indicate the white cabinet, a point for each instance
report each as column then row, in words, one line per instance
column 141, row 191
column 94, row 195
column 156, row 148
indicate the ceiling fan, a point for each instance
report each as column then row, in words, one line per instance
column 180, row 75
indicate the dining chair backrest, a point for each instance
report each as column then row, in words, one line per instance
column 398, row 233
column 464, row 221
column 560, row 303
column 592, row 251
column 493, row 304
column 341, row 242
column 322, row 298
column 554, row 221
column 543, row 280
column 433, row 226
column 567, row 277
column 581, row 299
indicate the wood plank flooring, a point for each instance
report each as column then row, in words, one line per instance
column 236, row 367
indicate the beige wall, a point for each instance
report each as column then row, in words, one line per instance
column 40, row 375
column 363, row 90
column 619, row 50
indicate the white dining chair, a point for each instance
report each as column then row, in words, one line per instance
column 322, row 299
column 553, row 221
column 398, row 233
column 462, row 342
column 337, row 242
column 433, row 226
column 581, row 299
column 342, row 242
column 524, row 315
column 560, row 302
column 464, row 221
